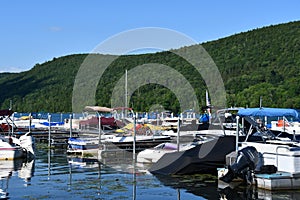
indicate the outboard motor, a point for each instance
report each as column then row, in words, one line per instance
column 247, row 160
column 26, row 142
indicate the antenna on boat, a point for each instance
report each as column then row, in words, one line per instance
column 10, row 104
column 260, row 102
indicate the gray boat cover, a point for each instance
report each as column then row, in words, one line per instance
column 203, row 157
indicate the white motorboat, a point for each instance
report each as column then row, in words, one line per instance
column 283, row 125
column 13, row 148
column 146, row 136
column 152, row 155
column 170, row 123
column 82, row 145
column 274, row 160
column 25, row 122
column 10, row 123
column 9, row 151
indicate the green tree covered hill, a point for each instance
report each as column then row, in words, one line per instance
column 259, row 63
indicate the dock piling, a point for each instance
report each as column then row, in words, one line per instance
column 49, row 130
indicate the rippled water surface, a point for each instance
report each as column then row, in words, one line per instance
column 54, row 175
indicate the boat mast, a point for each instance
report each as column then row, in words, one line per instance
column 260, row 101
column 126, row 93
column 10, row 104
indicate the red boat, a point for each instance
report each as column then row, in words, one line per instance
column 94, row 122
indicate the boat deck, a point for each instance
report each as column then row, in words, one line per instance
column 278, row 181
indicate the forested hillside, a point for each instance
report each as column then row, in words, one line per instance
column 263, row 62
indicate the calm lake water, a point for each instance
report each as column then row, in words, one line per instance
column 54, row 175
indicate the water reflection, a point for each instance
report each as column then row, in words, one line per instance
column 136, row 176
column 203, row 185
column 59, row 176
column 22, row 167
column 78, row 163
column 208, row 187
column 241, row 191
column 118, row 178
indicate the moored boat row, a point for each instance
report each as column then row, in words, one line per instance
column 163, row 149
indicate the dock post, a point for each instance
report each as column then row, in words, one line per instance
column 134, row 135
column 13, row 124
column 178, row 133
column 70, row 125
column 29, row 129
column 100, row 130
column 237, row 134
column 49, row 129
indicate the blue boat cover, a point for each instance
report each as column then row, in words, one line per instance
column 52, row 123
column 268, row 112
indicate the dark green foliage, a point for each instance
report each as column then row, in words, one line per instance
column 264, row 62
column 46, row 87
column 261, row 63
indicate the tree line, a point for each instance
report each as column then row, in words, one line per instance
column 261, row 63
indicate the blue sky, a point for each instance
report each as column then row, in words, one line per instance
column 36, row 31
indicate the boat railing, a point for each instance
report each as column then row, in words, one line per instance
column 259, row 127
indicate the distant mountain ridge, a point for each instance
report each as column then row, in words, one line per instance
column 264, row 62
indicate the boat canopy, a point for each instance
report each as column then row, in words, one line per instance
column 122, row 108
column 268, row 112
column 98, row 109
column 6, row 112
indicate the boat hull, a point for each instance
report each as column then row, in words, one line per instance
column 141, row 143
column 11, row 153
column 79, row 144
column 285, row 158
